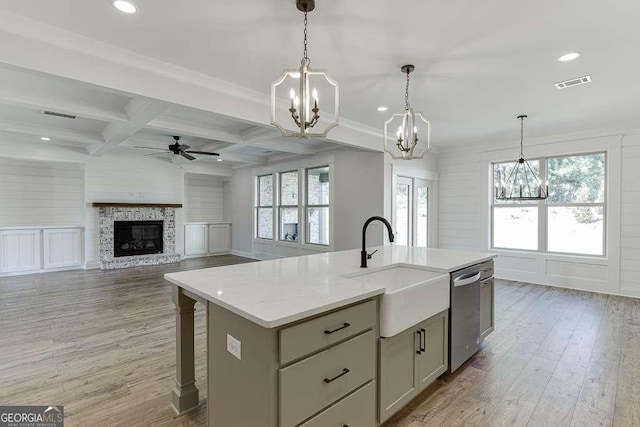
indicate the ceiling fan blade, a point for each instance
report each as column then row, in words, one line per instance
column 156, row 154
column 150, row 148
column 207, row 153
column 187, row 156
column 183, row 147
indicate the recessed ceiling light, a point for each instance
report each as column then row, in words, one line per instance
column 569, row 56
column 382, row 108
column 124, row 6
column 44, row 138
column 219, row 160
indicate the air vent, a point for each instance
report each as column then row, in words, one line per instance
column 573, row 82
column 63, row 115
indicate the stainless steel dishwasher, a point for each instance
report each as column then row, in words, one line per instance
column 464, row 332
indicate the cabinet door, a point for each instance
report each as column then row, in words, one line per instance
column 432, row 360
column 397, row 371
column 219, row 238
column 195, row 239
column 19, row 250
column 62, row 247
column 486, row 307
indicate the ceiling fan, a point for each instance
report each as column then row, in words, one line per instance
column 179, row 149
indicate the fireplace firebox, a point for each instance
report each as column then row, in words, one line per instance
column 137, row 238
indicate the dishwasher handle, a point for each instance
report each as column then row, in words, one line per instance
column 466, row 280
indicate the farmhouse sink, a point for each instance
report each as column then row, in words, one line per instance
column 412, row 295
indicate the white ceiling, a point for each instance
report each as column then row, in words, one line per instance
column 478, row 65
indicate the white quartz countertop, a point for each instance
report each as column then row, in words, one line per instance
column 274, row 293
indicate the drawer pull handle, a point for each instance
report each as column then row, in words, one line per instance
column 487, row 269
column 420, row 345
column 345, row 325
column 345, row 371
column 423, row 342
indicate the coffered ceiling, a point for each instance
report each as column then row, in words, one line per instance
column 478, row 65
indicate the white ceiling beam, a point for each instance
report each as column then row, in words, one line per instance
column 140, row 113
column 22, row 99
column 54, row 133
column 182, row 127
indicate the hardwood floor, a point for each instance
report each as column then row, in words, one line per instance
column 103, row 345
column 558, row 357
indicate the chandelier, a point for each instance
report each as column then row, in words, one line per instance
column 518, row 184
column 295, row 96
column 413, row 135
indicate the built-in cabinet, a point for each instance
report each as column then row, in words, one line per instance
column 204, row 239
column 410, row 361
column 40, row 249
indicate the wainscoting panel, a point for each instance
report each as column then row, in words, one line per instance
column 62, row 247
column 19, row 250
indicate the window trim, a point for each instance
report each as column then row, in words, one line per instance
column 308, row 205
column 544, row 205
column 258, row 206
column 268, row 248
column 280, row 206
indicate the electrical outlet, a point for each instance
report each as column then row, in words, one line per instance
column 234, row 346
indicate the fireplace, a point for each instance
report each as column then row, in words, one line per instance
column 137, row 238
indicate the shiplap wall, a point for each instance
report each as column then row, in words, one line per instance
column 203, row 198
column 464, row 215
column 129, row 179
column 36, row 193
column 630, row 217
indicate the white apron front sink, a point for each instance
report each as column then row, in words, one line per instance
column 412, row 295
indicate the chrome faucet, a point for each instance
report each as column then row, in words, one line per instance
column 364, row 256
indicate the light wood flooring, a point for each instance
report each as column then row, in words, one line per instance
column 103, row 345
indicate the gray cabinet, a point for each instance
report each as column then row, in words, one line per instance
column 410, row 361
column 486, row 307
column 320, row 371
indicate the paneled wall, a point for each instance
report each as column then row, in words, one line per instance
column 203, row 198
column 36, row 193
column 465, row 218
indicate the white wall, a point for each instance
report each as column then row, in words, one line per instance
column 116, row 177
column 34, row 193
column 630, row 217
column 203, row 198
column 240, row 202
column 465, row 214
column 359, row 194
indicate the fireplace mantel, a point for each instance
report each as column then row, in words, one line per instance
column 136, row 205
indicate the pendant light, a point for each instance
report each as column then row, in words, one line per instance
column 407, row 135
column 517, row 185
column 301, row 98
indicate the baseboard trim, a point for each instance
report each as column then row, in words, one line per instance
column 246, row 254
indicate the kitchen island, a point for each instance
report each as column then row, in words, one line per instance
column 295, row 340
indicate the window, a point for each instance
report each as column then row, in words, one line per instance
column 289, row 206
column 264, row 207
column 317, row 209
column 570, row 221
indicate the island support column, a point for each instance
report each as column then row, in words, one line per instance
column 185, row 394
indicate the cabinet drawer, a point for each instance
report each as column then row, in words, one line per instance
column 357, row 410
column 305, row 338
column 314, row 383
column 486, row 270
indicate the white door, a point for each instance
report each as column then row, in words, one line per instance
column 19, row 250
column 411, row 212
column 219, row 238
column 196, row 239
